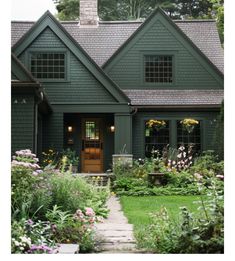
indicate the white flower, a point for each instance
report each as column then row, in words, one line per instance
column 16, row 243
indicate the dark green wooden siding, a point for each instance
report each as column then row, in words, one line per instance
column 127, row 68
column 22, row 126
column 80, row 86
column 207, row 133
column 52, row 129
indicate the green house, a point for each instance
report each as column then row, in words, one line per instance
column 93, row 86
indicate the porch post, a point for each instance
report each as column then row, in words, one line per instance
column 123, row 133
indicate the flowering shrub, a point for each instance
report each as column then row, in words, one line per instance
column 49, row 157
column 32, row 237
column 26, row 159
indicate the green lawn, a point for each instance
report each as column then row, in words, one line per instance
column 136, row 209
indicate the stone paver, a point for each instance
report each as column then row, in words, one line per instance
column 68, row 248
column 115, row 235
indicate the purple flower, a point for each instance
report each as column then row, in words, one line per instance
column 30, row 222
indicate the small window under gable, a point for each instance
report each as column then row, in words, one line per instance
column 48, row 65
column 158, row 68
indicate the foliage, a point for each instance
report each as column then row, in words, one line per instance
column 203, row 233
column 71, row 156
column 160, row 236
column 219, row 134
column 23, row 185
column 218, row 13
column 32, row 237
column 49, row 157
column 72, row 193
column 208, row 165
column 77, row 228
column 110, row 10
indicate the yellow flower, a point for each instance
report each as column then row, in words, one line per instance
column 189, row 122
column 157, row 123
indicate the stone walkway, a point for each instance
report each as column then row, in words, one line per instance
column 115, row 235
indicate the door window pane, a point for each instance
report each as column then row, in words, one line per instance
column 92, row 130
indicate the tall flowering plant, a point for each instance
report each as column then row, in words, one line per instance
column 26, row 159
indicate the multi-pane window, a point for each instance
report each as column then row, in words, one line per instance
column 158, row 68
column 193, row 138
column 48, row 65
column 156, row 139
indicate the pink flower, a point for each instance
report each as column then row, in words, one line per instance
column 220, row 177
column 89, row 212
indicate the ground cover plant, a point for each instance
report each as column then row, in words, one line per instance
column 51, row 206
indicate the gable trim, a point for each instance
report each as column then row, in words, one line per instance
column 20, row 71
column 48, row 20
column 203, row 57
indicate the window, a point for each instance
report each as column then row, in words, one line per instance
column 158, row 68
column 48, row 65
column 185, row 138
column 156, row 139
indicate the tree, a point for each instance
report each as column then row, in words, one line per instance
column 116, row 9
column 194, row 8
column 218, row 14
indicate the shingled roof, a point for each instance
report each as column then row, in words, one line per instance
column 175, row 97
column 101, row 42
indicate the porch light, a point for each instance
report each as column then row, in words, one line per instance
column 70, row 129
column 112, row 128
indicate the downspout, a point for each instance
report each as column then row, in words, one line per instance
column 39, row 99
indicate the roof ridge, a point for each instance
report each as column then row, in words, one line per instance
column 21, row 21
column 122, row 21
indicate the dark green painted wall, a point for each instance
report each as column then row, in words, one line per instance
column 22, row 126
column 127, row 68
column 207, row 133
column 80, row 85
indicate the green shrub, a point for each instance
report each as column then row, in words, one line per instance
column 208, row 165
column 129, row 183
column 23, row 185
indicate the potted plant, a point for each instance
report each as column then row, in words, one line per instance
column 156, row 176
column 72, row 159
column 189, row 124
column 156, row 124
column 123, row 158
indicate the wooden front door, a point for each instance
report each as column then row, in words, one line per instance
column 92, row 146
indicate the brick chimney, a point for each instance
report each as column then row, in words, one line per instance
column 89, row 13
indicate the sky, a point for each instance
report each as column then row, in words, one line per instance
column 30, row 10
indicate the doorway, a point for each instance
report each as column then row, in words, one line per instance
column 92, row 145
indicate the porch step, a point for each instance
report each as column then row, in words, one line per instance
column 97, row 179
